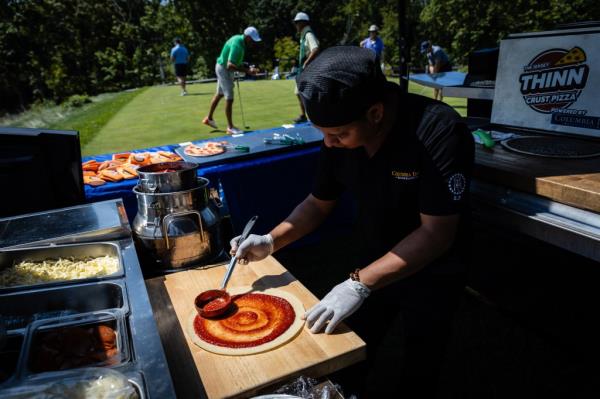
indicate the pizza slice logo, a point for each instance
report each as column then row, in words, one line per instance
column 574, row 56
column 554, row 79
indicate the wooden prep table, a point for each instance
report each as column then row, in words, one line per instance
column 575, row 182
column 197, row 373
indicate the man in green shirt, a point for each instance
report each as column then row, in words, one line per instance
column 231, row 60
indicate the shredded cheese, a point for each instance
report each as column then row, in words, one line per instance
column 61, row 269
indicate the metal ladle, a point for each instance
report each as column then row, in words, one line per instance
column 213, row 303
column 233, row 260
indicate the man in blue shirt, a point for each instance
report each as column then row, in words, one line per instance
column 438, row 61
column 180, row 57
column 374, row 42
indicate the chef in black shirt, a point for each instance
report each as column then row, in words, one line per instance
column 407, row 160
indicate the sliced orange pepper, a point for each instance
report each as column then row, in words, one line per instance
column 91, row 167
column 111, row 175
column 110, row 165
column 124, row 156
column 127, row 173
column 93, row 180
column 130, row 169
column 170, row 155
column 141, row 159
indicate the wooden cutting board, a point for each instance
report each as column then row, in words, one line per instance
column 574, row 182
column 308, row 354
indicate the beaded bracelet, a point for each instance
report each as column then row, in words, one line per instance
column 354, row 276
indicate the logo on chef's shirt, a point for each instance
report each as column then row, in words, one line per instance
column 457, row 185
column 554, row 79
column 399, row 175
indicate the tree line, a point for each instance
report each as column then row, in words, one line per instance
column 53, row 49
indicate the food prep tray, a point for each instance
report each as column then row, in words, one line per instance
column 21, row 348
column 10, row 257
column 89, row 382
column 67, row 343
column 20, row 373
column 20, row 308
column 120, row 298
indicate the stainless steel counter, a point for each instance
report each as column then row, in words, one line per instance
column 103, row 221
column 99, row 221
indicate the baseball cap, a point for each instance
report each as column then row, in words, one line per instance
column 373, row 28
column 340, row 85
column 253, row 33
column 424, row 46
column 301, row 16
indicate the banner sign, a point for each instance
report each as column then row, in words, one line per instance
column 549, row 82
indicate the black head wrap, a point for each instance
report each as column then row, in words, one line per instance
column 340, row 85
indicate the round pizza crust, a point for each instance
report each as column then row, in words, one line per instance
column 287, row 335
column 206, row 150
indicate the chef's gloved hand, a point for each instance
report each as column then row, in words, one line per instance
column 343, row 300
column 253, row 249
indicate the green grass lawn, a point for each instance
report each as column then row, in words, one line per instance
column 91, row 119
column 158, row 115
column 88, row 119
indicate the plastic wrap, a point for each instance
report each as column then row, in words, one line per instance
column 305, row 388
column 87, row 383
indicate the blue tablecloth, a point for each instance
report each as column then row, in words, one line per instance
column 255, row 141
column 439, row 80
column 122, row 189
column 114, row 190
column 269, row 184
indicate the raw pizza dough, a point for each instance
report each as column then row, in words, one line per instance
column 287, row 335
column 205, row 150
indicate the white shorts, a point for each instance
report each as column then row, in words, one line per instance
column 224, row 81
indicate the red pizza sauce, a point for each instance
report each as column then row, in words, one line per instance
column 215, row 304
column 258, row 318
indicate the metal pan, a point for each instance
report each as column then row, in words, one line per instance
column 85, row 382
column 20, row 308
column 10, row 257
column 68, row 335
column 167, row 177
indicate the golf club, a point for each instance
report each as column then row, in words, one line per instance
column 241, row 106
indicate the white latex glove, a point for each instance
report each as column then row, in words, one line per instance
column 343, row 300
column 253, row 249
